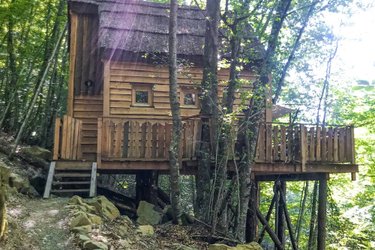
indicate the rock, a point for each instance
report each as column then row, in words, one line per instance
column 219, row 247
column 81, row 219
column 76, row 200
column 146, row 230
column 147, row 215
column 104, row 207
column 97, row 220
column 4, row 174
column 38, row 181
column 82, row 229
column 94, row 245
column 249, row 246
column 83, row 237
column 18, row 182
column 37, row 152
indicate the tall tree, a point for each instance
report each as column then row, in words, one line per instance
column 174, row 150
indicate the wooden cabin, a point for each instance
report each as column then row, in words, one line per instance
column 118, row 113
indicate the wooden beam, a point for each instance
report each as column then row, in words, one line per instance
column 106, row 88
column 72, row 59
column 268, row 229
column 93, row 180
column 322, row 212
column 51, row 172
column 56, row 143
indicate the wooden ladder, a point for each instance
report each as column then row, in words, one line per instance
column 71, row 180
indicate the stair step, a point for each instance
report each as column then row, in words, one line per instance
column 72, row 174
column 71, row 183
column 70, row 191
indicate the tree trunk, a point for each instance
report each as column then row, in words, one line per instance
column 312, row 242
column 40, row 85
column 175, row 147
column 209, row 110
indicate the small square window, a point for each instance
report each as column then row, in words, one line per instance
column 190, row 99
column 142, row 95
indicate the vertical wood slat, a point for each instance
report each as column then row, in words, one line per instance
column 283, row 143
column 110, row 138
column 330, row 144
column 342, row 146
column 275, row 143
column 354, row 176
column 161, row 140
column 154, row 140
column 197, row 137
column 99, row 142
column 118, row 139
column 57, row 142
column 148, row 153
column 268, row 143
column 261, row 143
column 143, row 136
column 290, row 150
column 75, row 127
column 168, row 133
column 312, row 144
column 348, row 144
column 104, row 138
column 72, row 59
column 324, row 144
column 125, row 146
column 64, row 137
column 335, row 145
column 303, row 147
column 318, row 144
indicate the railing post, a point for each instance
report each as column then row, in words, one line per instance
column 303, row 142
column 56, row 145
column 354, row 176
column 99, row 143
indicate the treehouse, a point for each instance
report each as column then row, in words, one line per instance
column 118, row 112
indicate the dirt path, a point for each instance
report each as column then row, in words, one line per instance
column 38, row 224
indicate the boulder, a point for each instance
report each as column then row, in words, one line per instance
column 147, row 215
column 97, row 220
column 104, row 207
column 94, row 245
column 82, row 229
column 249, row 246
column 146, row 230
column 81, row 219
column 18, row 182
column 37, row 152
column 83, row 237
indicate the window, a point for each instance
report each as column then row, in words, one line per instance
column 189, row 97
column 142, row 95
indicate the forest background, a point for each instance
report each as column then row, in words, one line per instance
column 316, row 83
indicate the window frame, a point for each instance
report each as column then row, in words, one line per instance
column 144, row 88
column 184, row 90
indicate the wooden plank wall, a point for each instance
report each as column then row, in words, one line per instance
column 88, row 109
column 84, row 44
column 123, row 75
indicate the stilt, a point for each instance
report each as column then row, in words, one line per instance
column 280, row 221
column 146, row 186
column 322, row 212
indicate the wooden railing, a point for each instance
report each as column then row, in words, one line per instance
column 305, row 144
column 142, row 139
column 67, row 139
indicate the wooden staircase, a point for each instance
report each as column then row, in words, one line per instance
column 71, row 180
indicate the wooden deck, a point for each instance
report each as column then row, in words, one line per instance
column 125, row 144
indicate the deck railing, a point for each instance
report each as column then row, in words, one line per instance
column 67, row 139
column 305, row 144
column 142, row 139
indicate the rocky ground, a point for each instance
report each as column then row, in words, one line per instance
column 77, row 223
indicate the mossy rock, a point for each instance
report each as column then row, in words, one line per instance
column 104, row 207
column 146, row 230
column 147, row 215
column 37, row 152
column 82, row 229
column 81, row 219
column 91, row 245
column 249, row 246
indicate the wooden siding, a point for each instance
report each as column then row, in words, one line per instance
column 123, row 76
column 88, row 109
column 84, row 55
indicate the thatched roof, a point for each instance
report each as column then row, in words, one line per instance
column 142, row 27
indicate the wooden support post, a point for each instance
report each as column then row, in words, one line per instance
column 287, row 217
column 99, row 143
column 51, row 172
column 303, row 147
column 252, row 222
column 279, row 216
column 354, row 177
column 93, row 180
column 268, row 229
column 268, row 216
column 56, row 143
column 322, row 212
